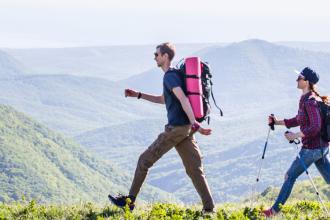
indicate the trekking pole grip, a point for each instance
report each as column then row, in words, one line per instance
column 272, row 124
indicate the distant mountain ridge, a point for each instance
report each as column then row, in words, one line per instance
column 109, row 62
column 9, row 66
column 312, row 46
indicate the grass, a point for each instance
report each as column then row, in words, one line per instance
column 229, row 211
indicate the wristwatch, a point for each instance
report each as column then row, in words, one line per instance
column 195, row 127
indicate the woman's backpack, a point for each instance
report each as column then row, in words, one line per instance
column 325, row 114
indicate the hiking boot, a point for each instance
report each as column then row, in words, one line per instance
column 121, row 201
column 208, row 212
column 269, row 212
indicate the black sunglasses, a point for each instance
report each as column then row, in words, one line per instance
column 156, row 54
column 300, row 78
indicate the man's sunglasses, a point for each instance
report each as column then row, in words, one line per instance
column 156, row 54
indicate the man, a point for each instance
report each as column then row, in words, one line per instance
column 178, row 133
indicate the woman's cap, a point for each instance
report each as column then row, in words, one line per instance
column 309, row 75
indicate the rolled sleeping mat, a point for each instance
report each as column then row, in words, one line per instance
column 194, row 85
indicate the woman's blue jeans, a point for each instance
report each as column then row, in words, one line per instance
column 319, row 156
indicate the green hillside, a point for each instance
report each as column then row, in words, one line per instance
column 301, row 191
column 40, row 164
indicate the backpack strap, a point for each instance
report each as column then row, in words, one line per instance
column 215, row 103
column 193, row 93
column 310, row 98
column 304, row 103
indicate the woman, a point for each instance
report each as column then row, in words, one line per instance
column 315, row 149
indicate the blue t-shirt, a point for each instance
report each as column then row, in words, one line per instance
column 175, row 113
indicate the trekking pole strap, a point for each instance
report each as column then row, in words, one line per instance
column 295, row 141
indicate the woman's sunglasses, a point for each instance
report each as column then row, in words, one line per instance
column 300, row 77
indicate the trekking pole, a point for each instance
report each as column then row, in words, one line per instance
column 254, row 189
column 296, row 142
column 271, row 127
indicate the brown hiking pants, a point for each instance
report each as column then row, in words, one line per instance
column 182, row 139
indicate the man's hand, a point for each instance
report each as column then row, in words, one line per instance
column 204, row 131
column 131, row 93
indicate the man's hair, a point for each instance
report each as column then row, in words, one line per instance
column 168, row 48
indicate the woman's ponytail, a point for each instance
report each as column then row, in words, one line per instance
column 325, row 99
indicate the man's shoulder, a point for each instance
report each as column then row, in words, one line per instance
column 171, row 73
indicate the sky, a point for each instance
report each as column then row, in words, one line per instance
column 75, row 23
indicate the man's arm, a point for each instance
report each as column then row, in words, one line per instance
column 148, row 97
column 184, row 103
column 152, row 98
column 188, row 110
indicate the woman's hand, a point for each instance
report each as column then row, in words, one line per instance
column 276, row 121
column 273, row 119
column 290, row 136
